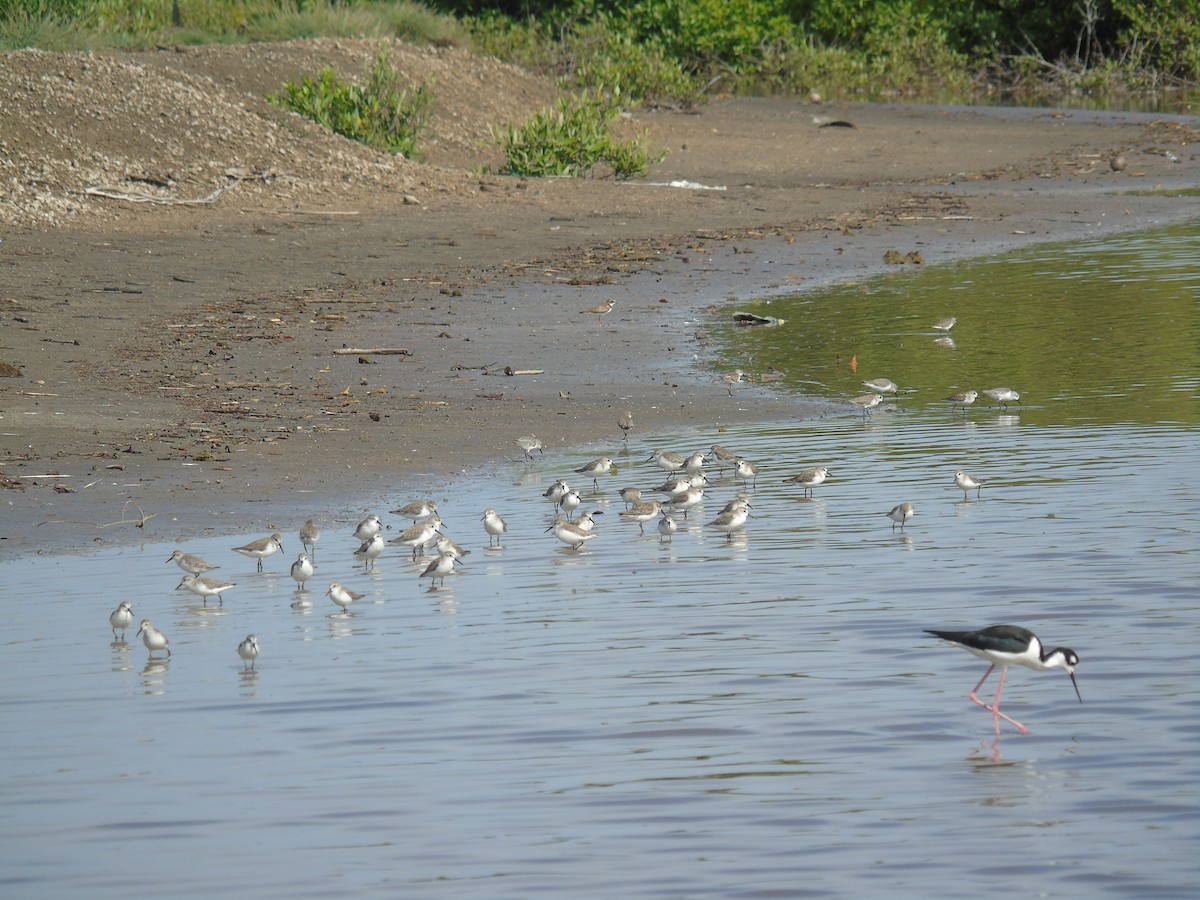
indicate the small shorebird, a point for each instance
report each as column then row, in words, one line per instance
column 723, row 457
column 731, row 378
column 585, row 520
column 881, row 385
column 1003, row 396
column 809, row 479
column 302, row 570
column 667, row 460
column 945, row 324
column 962, row 400
column 443, row 544
column 153, row 638
column 570, row 533
column 569, row 502
column 417, row 536
column 631, row 495
column 121, row 617
column 493, row 525
column 900, row 514
column 417, row 510
column 439, row 568
column 666, row 527
column 596, row 468
column 248, row 651
column 191, row 563
column 642, row 513
column 685, row 501
column 603, row 309
column 1004, row 646
column 555, row 492
column 261, row 549
column 529, row 443
column 342, row 596
column 867, row 402
column 625, row 423
column 309, row 535
column 370, row 550
column 747, row 471
column 732, row 519
column 368, row 528
column 205, row 587
column 966, row 482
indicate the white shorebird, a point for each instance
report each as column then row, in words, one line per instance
column 417, row 510
column 732, row 519
column 153, row 638
column 967, row 483
column 642, row 513
column 867, row 402
column 900, row 514
column 1003, row 396
column 555, row 492
column 248, row 651
column 205, row 587
column 694, row 464
column 368, row 528
column 442, row 544
column 309, row 535
column 586, row 521
column 809, row 479
column 417, row 536
column 261, row 549
column 1009, row 645
column 121, row 617
column 596, row 468
column 191, row 563
column 302, row 570
column 571, row 534
column 494, row 525
column 747, row 471
column 723, row 456
column 667, row 460
column 631, row 496
column 690, row 498
column 881, row 385
column 666, row 527
column 342, row 596
column 945, row 324
column 370, row 550
column 569, row 502
column 439, row 568
column 962, row 400
column 529, row 443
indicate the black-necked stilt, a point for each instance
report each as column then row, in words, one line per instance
column 1009, row 645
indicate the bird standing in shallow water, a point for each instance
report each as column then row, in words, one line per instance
column 1003, row 396
column 966, row 482
column 261, row 549
column 625, row 423
column 153, row 638
column 309, row 535
column 248, row 651
column 1004, row 646
column 121, row 617
column 900, row 514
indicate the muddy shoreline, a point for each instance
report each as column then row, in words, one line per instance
column 183, row 367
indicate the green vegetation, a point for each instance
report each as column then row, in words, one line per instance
column 378, row 113
column 668, row 51
column 573, row 138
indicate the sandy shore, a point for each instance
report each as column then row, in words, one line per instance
column 184, row 367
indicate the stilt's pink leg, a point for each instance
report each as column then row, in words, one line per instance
column 971, row 696
column 995, row 708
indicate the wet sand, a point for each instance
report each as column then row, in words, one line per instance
column 183, row 366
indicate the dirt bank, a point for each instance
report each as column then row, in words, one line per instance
column 181, row 356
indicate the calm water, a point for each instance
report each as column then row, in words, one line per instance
column 759, row 717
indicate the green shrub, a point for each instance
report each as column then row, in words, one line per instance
column 572, row 138
column 379, row 114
